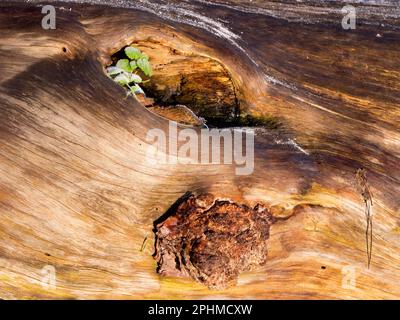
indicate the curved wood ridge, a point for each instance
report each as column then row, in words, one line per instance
column 77, row 191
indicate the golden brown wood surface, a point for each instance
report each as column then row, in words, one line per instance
column 78, row 193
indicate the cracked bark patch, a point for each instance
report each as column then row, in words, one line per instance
column 212, row 240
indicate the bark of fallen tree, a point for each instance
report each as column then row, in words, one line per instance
column 78, row 193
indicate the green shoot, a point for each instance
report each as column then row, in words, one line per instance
column 124, row 72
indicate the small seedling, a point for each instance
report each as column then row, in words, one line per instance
column 125, row 71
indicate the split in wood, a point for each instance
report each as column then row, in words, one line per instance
column 193, row 90
column 364, row 190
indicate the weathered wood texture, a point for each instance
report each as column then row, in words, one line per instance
column 77, row 191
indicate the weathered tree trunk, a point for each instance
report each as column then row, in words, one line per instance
column 78, row 193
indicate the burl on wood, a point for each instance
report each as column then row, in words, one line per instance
column 77, row 192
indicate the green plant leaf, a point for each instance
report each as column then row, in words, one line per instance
column 113, row 71
column 122, row 79
column 145, row 66
column 135, row 78
column 124, row 65
column 137, row 89
column 133, row 65
column 133, row 53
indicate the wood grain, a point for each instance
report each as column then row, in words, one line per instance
column 77, row 191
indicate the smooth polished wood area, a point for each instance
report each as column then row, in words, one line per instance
column 78, row 193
